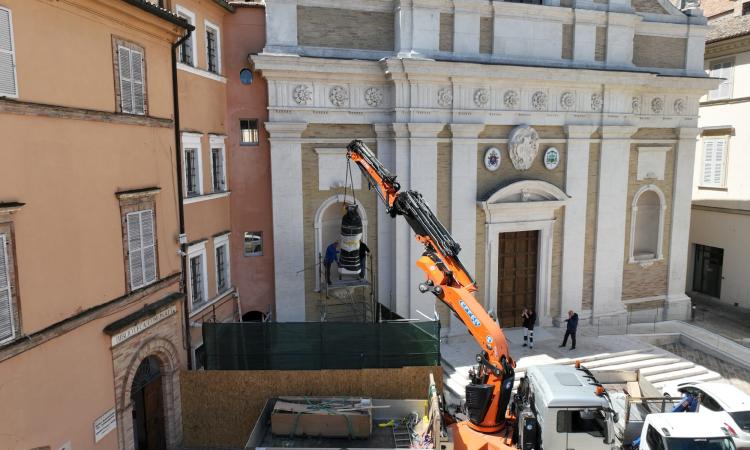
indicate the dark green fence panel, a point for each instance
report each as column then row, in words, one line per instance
column 320, row 345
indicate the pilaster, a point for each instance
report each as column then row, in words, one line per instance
column 574, row 231
column 465, row 27
column 610, row 220
column 386, row 149
column 288, row 232
column 422, row 178
column 678, row 304
column 281, row 26
column 620, row 35
column 401, row 268
column 584, row 31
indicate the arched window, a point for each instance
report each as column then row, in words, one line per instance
column 647, row 225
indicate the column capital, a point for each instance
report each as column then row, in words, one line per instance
column 580, row 131
column 424, row 130
column 384, row 130
column 466, row 130
column 688, row 134
column 285, row 130
column 618, row 132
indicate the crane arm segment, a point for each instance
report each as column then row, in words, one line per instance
column 449, row 281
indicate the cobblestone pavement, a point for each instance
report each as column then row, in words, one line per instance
column 731, row 373
column 728, row 321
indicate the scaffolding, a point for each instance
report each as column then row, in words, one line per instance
column 348, row 298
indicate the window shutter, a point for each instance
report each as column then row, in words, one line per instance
column 7, row 65
column 149, row 250
column 6, row 308
column 136, row 62
column 725, row 71
column 126, row 83
column 135, row 254
column 708, row 160
column 718, row 165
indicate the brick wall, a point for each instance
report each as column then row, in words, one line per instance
column 600, row 48
column 648, row 6
column 658, row 51
column 446, row 32
column 485, row 35
column 587, row 299
column 313, row 198
column 555, row 294
column 649, row 281
column 443, row 207
column 567, row 42
column 344, row 28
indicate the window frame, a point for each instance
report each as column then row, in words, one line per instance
column 723, row 182
column 244, row 236
column 659, row 255
column 145, row 283
column 195, row 251
column 12, row 53
column 117, row 43
column 257, row 129
column 216, row 141
column 207, row 24
column 222, row 241
column 714, row 95
column 182, row 11
column 192, row 141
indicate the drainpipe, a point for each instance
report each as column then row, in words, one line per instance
column 181, row 207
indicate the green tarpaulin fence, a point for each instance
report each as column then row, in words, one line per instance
column 320, row 345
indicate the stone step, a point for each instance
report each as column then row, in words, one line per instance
column 677, row 374
column 636, row 357
column 655, row 370
column 659, row 361
column 708, row 376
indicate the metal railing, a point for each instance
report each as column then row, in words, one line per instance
column 645, row 319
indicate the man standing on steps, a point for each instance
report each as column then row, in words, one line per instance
column 571, row 329
column 529, row 318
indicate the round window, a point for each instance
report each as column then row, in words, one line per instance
column 246, row 76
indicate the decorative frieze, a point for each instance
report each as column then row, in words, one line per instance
column 302, row 94
column 657, row 105
column 510, row 99
column 374, row 96
column 481, row 97
column 445, row 97
column 679, row 106
column 539, row 101
column 636, row 105
column 596, row 102
column 568, row 100
column 523, row 145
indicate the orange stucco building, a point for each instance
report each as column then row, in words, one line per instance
column 91, row 312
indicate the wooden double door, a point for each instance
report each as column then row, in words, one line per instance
column 517, row 275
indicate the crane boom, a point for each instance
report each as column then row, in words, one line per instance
column 489, row 392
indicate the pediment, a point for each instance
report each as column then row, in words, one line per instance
column 527, row 191
column 523, row 200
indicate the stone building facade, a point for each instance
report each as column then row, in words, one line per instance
column 554, row 142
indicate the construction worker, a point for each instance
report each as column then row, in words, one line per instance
column 363, row 250
column 571, row 329
column 529, row 318
column 332, row 254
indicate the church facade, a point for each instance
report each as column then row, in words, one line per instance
column 555, row 141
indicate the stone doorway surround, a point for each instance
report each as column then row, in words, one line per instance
column 522, row 206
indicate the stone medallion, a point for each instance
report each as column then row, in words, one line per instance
column 510, row 99
column 657, row 105
column 374, row 96
column 445, row 97
column 302, row 94
column 596, row 102
column 492, row 159
column 567, row 100
column 551, row 158
column 338, row 95
column 539, row 101
column 481, row 97
column 636, row 105
column 523, row 145
column 679, row 106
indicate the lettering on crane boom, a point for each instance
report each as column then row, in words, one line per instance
column 472, row 317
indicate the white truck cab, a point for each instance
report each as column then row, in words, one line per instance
column 685, row 431
column 565, row 410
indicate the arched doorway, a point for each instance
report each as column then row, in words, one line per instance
column 254, row 316
column 148, row 406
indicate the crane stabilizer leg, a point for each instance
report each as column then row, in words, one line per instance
column 488, row 394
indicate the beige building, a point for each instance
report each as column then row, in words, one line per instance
column 719, row 242
column 202, row 96
column 554, row 139
column 92, row 331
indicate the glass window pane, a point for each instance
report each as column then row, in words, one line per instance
column 253, row 243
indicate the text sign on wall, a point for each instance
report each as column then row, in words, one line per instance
column 104, row 424
column 140, row 326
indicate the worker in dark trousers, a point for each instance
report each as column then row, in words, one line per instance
column 332, row 255
column 363, row 250
column 529, row 319
column 571, row 329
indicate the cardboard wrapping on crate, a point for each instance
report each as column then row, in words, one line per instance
column 337, row 417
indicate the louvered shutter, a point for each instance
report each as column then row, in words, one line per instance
column 136, row 63
column 6, row 308
column 718, row 165
column 135, row 253
column 708, row 161
column 126, row 82
column 149, row 250
column 7, row 58
column 725, row 71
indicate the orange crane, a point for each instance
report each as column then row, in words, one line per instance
column 490, row 389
